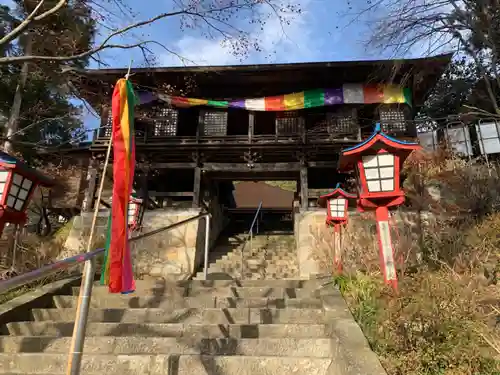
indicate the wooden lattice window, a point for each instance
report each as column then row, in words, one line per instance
column 288, row 123
column 214, row 123
column 165, row 121
column 392, row 120
column 342, row 123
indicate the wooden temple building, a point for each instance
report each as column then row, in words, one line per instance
column 201, row 126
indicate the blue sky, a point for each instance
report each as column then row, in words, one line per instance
column 310, row 36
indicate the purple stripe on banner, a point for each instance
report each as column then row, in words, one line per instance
column 145, row 97
column 334, row 96
column 237, row 104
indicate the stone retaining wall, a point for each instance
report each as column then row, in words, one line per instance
column 172, row 254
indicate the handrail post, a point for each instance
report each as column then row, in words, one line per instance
column 82, row 313
column 251, row 240
column 207, row 235
column 255, row 221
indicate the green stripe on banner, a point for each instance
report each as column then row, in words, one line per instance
column 218, row 103
column 131, row 99
column 314, row 98
column 407, row 95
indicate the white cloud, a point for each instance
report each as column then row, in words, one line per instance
column 278, row 41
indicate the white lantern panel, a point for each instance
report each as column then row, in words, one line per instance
column 27, row 184
column 11, row 201
column 385, row 160
column 4, row 175
column 387, row 172
column 340, row 202
column 17, row 179
column 14, row 190
column 387, row 185
column 132, row 207
column 337, row 207
column 370, row 161
column 372, row 173
column 19, row 205
column 379, row 172
column 374, row 186
column 2, row 188
column 23, row 194
column 18, row 192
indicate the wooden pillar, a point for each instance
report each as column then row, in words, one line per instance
column 144, row 187
column 302, row 129
column 88, row 202
column 304, row 194
column 200, row 129
column 197, row 187
column 251, row 123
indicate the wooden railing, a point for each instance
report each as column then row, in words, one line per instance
column 313, row 136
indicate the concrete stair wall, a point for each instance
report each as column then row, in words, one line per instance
column 267, row 256
column 268, row 327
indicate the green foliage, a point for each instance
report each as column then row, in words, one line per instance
column 452, row 91
column 430, row 328
column 47, row 115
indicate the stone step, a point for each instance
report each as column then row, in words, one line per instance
column 244, row 292
column 292, row 283
column 200, row 277
column 131, row 301
column 195, row 316
column 98, row 364
column 250, row 331
column 283, row 347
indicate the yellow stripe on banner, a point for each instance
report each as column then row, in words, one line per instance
column 393, row 94
column 294, row 101
column 124, row 115
column 125, row 129
column 197, row 101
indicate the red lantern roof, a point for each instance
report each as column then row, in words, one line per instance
column 337, row 192
column 378, row 140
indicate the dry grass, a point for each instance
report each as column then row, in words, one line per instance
column 445, row 320
column 34, row 252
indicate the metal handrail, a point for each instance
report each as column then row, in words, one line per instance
column 29, row 277
column 250, row 234
column 255, row 219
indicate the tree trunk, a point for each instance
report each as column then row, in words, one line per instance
column 15, row 110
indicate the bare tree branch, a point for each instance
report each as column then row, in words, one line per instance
column 203, row 15
column 31, row 17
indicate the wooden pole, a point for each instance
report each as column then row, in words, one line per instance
column 82, row 311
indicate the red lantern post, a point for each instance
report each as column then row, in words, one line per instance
column 337, row 203
column 377, row 162
column 18, row 182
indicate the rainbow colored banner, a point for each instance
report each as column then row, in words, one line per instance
column 117, row 268
column 347, row 94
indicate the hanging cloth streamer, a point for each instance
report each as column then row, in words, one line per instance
column 117, row 268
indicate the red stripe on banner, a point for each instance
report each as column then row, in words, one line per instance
column 180, row 102
column 120, row 182
column 373, row 94
column 275, row 103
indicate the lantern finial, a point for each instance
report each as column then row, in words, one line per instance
column 378, row 129
column 338, row 185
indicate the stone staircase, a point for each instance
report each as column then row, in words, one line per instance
column 268, row 256
column 264, row 327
